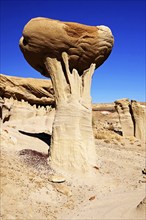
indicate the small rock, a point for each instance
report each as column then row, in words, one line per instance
column 142, row 181
column 56, row 179
column 63, row 189
column 13, row 140
column 92, row 198
column 142, row 204
column 144, row 171
column 97, row 168
column 6, row 130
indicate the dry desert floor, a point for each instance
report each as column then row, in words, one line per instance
column 116, row 190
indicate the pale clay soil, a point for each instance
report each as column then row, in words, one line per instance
column 113, row 192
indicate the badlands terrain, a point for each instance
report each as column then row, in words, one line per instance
column 31, row 189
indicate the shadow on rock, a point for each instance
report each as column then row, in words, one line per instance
column 42, row 136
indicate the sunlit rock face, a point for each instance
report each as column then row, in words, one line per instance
column 43, row 37
column 27, row 103
column 123, row 107
column 132, row 115
column 33, row 91
column 139, row 115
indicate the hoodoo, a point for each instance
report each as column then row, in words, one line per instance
column 68, row 53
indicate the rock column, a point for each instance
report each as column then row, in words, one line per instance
column 123, row 108
column 139, row 114
column 72, row 144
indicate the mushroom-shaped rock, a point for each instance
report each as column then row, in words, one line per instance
column 68, row 53
column 43, row 37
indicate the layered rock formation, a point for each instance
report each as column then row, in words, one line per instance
column 139, row 115
column 38, row 92
column 132, row 116
column 105, row 116
column 18, row 108
column 22, row 101
column 26, row 103
column 123, row 108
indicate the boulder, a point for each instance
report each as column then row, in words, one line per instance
column 44, row 37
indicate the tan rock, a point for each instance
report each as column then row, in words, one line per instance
column 63, row 189
column 144, row 171
column 142, row 205
column 72, row 146
column 34, row 91
column 56, row 179
column 24, row 99
column 104, row 116
column 123, row 107
column 43, row 37
column 1, row 104
column 132, row 115
column 139, row 115
column 5, row 112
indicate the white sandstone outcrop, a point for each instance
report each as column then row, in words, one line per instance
column 132, row 117
column 139, row 115
column 124, row 110
column 34, row 91
column 104, row 115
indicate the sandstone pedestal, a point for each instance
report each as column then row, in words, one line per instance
column 68, row 53
column 72, row 145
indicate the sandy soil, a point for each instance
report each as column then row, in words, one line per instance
column 114, row 192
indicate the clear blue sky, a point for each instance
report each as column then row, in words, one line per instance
column 122, row 74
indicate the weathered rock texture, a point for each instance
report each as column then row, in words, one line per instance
column 123, row 108
column 72, row 138
column 41, row 116
column 139, row 115
column 25, row 117
column 132, row 117
column 68, row 53
column 105, row 117
column 26, row 103
column 43, row 37
column 35, row 91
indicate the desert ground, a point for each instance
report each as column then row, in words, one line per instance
column 28, row 191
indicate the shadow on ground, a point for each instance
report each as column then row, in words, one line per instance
column 33, row 158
